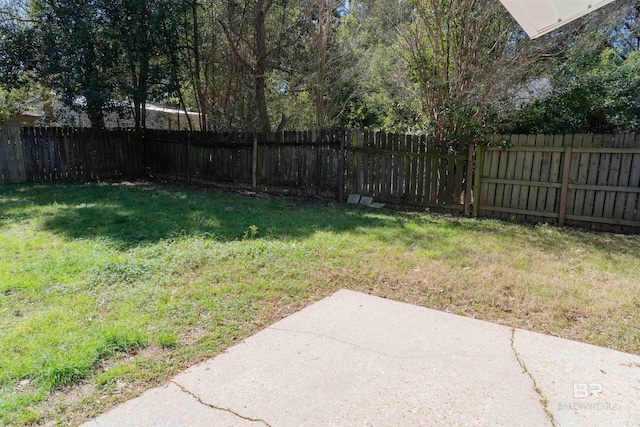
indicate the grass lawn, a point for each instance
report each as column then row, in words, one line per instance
column 106, row 289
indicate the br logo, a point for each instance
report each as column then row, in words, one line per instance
column 582, row 391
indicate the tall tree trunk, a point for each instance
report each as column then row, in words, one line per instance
column 325, row 18
column 139, row 68
column 96, row 116
column 186, row 112
column 260, row 67
column 137, row 98
column 139, row 80
column 201, row 96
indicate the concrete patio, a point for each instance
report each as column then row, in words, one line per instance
column 357, row 360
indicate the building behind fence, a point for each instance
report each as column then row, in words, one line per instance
column 585, row 180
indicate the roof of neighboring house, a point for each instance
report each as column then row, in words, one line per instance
column 81, row 102
column 170, row 110
column 158, row 117
column 36, row 107
column 25, row 118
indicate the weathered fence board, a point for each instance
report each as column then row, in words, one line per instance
column 406, row 169
column 288, row 161
column 584, row 180
column 11, row 156
column 60, row 154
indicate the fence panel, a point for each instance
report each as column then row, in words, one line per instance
column 300, row 162
column 406, row 169
column 392, row 168
column 199, row 156
column 282, row 162
column 12, row 161
column 60, row 154
column 584, row 180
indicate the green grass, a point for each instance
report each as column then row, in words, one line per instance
column 108, row 289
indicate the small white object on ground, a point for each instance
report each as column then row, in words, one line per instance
column 353, row 199
column 366, row 200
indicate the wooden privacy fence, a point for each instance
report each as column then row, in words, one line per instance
column 288, row 161
column 407, row 169
column 399, row 169
column 12, row 167
column 584, row 180
column 58, row 154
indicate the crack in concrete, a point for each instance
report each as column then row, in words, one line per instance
column 393, row 356
column 340, row 341
column 543, row 399
column 231, row 411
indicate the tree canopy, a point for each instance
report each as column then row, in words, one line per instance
column 448, row 67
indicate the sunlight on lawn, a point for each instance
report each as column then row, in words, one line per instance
column 108, row 289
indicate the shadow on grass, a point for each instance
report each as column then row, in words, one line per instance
column 138, row 214
column 130, row 215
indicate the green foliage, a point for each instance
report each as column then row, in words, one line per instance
column 93, row 53
column 592, row 93
column 447, row 67
column 147, row 33
column 12, row 102
column 78, row 54
column 376, row 91
column 294, row 104
column 251, row 233
column 19, row 52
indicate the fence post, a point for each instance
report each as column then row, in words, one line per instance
column 188, row 156
column 356, row 142
column 341, row 156
column 471, row 148
column 254, row 162
column 565, row 186
column 477, row 177
column 318, row 135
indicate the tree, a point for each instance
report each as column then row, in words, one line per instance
column 370, row 82
column 594, row 93
column 93, row 53
column 144, row 31
column 321, row 18
column 594, row 86
column 451, row 67
column 17, row 59
column 443, row 66
column 78, row 56
column 264, row 37
column 465, row 55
